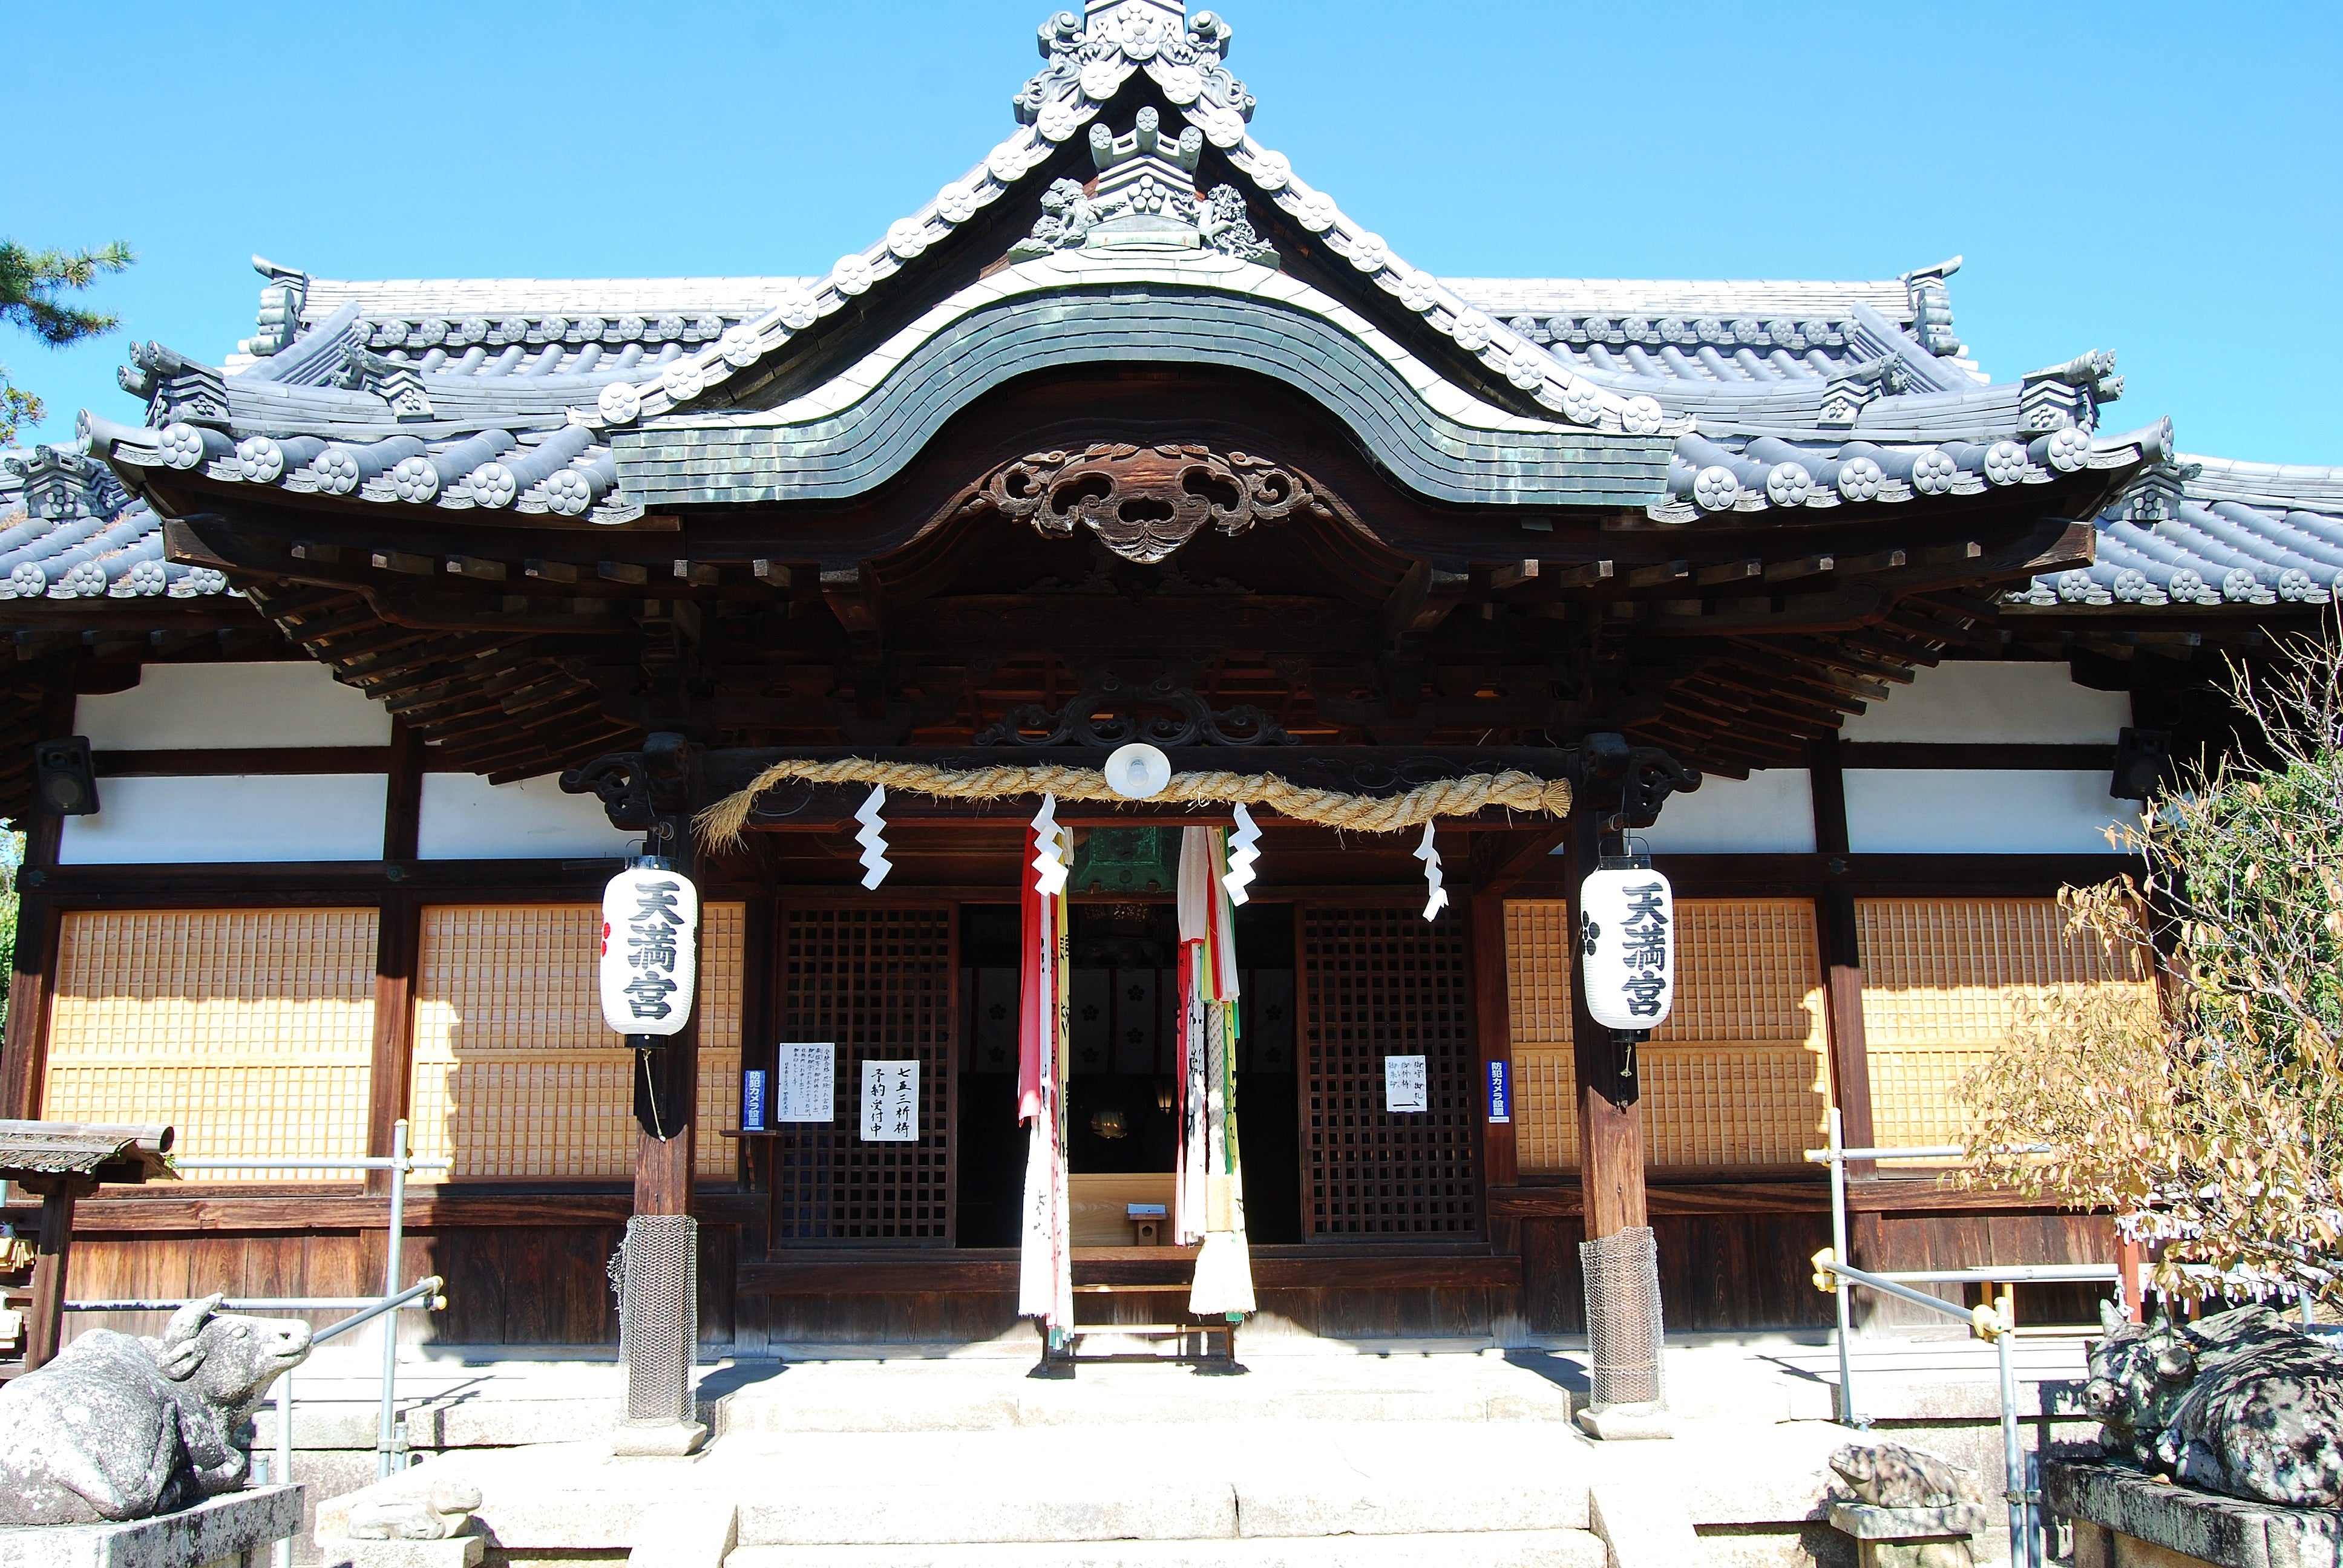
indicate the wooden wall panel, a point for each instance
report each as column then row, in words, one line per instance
column 249, row 1031
column 882, row 984
column 1738, row 1077
column 1945, row 980
column 1379, row 981
column 516, row 1073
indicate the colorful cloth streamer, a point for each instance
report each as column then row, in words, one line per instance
column 1209, row 1184
column 1045, row 1262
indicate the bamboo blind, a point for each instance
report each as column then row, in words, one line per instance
column 514, row 1072
column 1944, row 980
column 249, row 1031
column 1738, row 1077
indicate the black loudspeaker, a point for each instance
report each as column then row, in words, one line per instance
column 2143, row 757
column 67, row 781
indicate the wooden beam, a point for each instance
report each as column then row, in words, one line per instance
column 628, row 572
column 698, row 574
column 405, row 561
column 1585, row 576
column 774, row 574
column 1875, row 561
column 1513, row 575
column 552, row 571
column 1804, row 567
column 1659, row 574
column 482, row 571
column 1729, row 572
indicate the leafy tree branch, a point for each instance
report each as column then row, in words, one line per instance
column 34, row 284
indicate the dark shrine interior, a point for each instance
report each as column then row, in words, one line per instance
column 1125, row 1005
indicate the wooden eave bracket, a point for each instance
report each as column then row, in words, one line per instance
column 854, row 598
column 1421, row 600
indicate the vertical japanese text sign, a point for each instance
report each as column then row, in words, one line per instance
column 891, row 1101
column 650, row 951
column 1404, row 1084
column 806, row 1090
column 1627, row 937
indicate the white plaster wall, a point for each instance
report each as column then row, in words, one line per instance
column 230, row 818
column 466, row 818
column 2011, row 703
column 1771, row 812
column 209, row 705
column 1914, row 810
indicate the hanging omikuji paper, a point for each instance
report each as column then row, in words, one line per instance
column 1210, row 1182
column 1045, row 1272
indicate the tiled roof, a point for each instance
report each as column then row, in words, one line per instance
column 69, row 530
column 543, row 394
column 2202, row 531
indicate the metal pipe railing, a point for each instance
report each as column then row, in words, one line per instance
column 424, row 1293
column 1996, row 1324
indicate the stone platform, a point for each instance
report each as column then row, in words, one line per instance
column 1317, row 1454
column 232, row 1528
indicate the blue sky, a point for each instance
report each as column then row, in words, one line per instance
column 2152, row 179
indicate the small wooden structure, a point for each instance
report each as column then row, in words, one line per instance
column 62, row 1161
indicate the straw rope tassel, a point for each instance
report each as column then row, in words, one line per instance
column 723, row 826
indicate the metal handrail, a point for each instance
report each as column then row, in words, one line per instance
column 424, row 1293
column 1998, row 1326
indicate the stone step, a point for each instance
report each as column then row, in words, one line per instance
column 1297, row 1498
column 1463, row 1549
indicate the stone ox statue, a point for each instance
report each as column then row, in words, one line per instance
column 123, row 1428
column 2237, row 1403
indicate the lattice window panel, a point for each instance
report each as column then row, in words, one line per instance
column 249, row 1031
column 880, row 984
column 515, row 1073
column 1944, row 982
column 1737, row 1078
column 1381, row 982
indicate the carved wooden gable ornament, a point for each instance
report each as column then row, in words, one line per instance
column 1145, row 502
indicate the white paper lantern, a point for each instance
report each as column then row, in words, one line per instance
column 650, row 950
column 1627, row 942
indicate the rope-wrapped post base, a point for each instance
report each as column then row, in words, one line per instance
column 658, row 1274
column 1628, row 1376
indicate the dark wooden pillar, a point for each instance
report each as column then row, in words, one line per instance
column 1610, row 1100
column 667, row 1092
column 45, row 1329
column 398, row 938
column 1840, row 942
column 24, row 1058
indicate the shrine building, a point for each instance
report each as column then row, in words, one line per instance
column 398, row 627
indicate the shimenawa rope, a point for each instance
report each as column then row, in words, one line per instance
column 722, row 826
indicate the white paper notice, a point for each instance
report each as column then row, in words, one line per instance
column 891, row 1101
column 1403, row 1083
column 805, row 1087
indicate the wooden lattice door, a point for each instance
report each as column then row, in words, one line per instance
column 879, row 984
column 1382, row 981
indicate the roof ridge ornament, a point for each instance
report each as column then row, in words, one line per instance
column 1089, row 60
